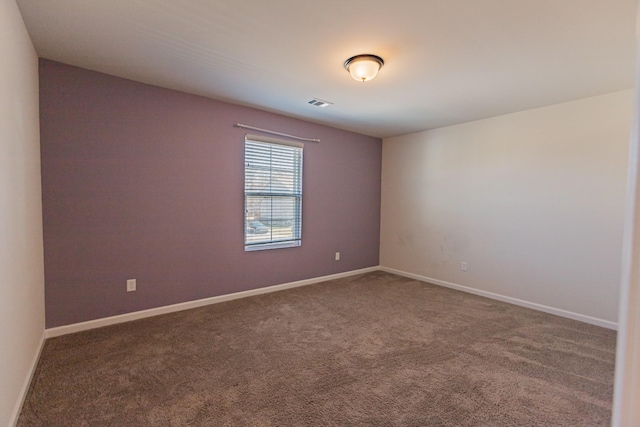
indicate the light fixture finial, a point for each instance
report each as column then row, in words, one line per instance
column 364, row 67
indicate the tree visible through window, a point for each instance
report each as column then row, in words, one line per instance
column 272, row 193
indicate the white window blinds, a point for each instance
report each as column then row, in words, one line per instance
column 272, row 193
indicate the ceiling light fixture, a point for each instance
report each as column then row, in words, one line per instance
column 364, row 67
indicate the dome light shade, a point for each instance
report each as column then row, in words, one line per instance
column 363, row 67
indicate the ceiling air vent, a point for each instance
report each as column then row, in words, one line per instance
column 320, row 103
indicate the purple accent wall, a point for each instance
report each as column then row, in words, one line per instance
column 147, row 183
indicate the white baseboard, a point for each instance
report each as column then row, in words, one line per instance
column 27, row 383
column 558, row 312
column 98, row 323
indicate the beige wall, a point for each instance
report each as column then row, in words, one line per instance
column 21, row 259
column 532, row 201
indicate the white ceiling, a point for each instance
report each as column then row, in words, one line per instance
column 447, row 61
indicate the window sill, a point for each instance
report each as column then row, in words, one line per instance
column 266, row 246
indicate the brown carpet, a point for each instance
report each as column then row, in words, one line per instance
column 375, row 349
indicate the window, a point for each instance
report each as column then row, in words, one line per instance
column 272, row 193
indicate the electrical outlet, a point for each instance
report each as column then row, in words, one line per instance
column 463, row 266
column 337, row 256
column 131, row 285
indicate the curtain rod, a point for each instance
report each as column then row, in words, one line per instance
column 240, row 125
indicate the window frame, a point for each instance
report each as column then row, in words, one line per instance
column 295, row 194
